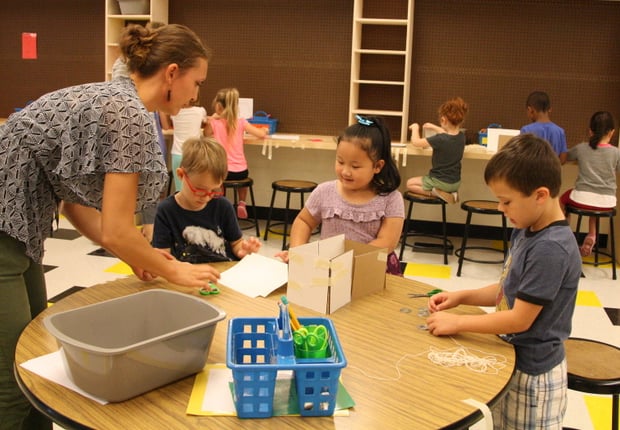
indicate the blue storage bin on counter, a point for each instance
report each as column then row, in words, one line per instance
column 255, row 354
column 263, row 119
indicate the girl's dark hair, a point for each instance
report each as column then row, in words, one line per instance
column 148, row 49
column 601, row 123
column 371, row 134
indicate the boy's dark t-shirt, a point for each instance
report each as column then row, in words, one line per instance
column 197, row 236
column 542, row 268
column 447, row 155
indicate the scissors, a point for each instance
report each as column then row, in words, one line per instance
column 213, row 289
column 427, row 294
column 311, row 338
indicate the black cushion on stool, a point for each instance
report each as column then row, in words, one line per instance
column 412, row 198
column 484, row 207
column 288, row 186
column 235, row 184
column 593, row 368
column 601, row 213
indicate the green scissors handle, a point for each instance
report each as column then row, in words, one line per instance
column 310, row 338
column 427, row 294
column 213, row 289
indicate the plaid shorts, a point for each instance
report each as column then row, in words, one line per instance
column 534, row 401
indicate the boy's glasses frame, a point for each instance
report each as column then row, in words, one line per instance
column 201, row 192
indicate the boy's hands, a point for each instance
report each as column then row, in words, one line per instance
column 442, row 323
column 248, row 246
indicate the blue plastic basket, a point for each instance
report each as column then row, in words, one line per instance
column 255, row 354
column 263, row 119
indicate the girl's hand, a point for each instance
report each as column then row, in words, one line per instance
column 442, row 301
column 283, row 255
column 442, row 324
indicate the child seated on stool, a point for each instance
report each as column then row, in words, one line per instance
column 598, row 161
column 194, row 224
column 363, row 202
column 448, row 145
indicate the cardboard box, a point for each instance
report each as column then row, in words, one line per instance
column 327, row 274
column 493, row 137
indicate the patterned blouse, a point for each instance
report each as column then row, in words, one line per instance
column 61, row 146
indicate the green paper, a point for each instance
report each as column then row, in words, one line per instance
column 285, row 400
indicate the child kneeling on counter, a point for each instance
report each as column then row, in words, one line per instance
column 448, row 143
column 363, row 202
column 194, row 224
column 535, row 296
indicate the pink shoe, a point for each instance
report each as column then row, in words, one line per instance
column 242, row 212
column 586, row 247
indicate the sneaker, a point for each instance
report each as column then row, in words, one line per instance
column 446, row 197
column 242, row 212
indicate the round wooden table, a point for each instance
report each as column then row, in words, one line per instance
column 376, row 333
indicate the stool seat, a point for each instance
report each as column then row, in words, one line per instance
column 598, row 214
column 287, row 186
column 483, row 207
column 235, row 185
column 593, row 368
column 446, row 244
column 294, row 186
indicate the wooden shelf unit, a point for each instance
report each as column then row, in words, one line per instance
column 115, row 22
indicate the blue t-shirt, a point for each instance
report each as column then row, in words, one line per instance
column 542, row 268
column 551, row 132
column 202, row 236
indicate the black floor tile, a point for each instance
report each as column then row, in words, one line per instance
column 614, row 315
column 65, row 233
column 47, row 268
column 100, row 252
column 65, row 293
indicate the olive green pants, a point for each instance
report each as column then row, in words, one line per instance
column 22, row 297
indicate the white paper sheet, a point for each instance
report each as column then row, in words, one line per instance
column 256, row 275
column 51, row 366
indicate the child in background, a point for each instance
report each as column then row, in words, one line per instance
column 226, row 126
column 363, row 202
column 599, row 161
column 535, row 296
column 538, row 108
column 194, row 225
column 448, row 145
column 186, row 124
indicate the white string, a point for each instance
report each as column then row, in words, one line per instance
column 461, row 356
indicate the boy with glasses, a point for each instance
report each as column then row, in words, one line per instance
column 194, row 224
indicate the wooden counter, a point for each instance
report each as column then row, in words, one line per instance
column 375, row 335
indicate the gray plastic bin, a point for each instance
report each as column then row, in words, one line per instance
column 120, row 348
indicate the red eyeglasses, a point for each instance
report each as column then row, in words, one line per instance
column 201, row 192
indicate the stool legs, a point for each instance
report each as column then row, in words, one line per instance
column 464, row 242
column 444, row 226
column 254, row 212
column 405, row 231
column 273, row 199
column 612, row 240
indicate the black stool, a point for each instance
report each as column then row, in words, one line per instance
column 593, row 368
column 598, row 214
column 484, row 207
column 235, row 185
column 446, row 244
column 288, row 186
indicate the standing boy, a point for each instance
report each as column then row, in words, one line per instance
column 538, row 108
column 535, row 296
